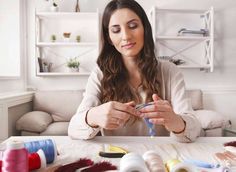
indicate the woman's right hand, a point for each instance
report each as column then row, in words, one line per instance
column 111, row 115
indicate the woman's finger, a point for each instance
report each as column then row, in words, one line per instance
column 159, row 121
column 156, row 107
column 131, row 103
column 153, row 115
column 126, row 108
column 155, row 97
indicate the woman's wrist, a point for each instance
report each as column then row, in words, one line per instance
column 183, row 128
column 88, row 121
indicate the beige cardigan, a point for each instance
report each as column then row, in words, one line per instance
column 173, row 90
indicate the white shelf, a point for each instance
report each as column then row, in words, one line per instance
column 85, row 24
column 51, row 44
column 182, row 38
column 67, row 15
column 63, row 74
column 163, row 38
column 193, row 11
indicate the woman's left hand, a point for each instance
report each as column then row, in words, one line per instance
column 161, row 112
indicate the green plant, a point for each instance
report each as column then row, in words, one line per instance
column 53, row 38
column 73, row 63
column 54, row 4
column 78, row 38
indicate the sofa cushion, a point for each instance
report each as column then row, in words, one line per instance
column 35, row 121
column 61, row 104
column 196, row 99
column 56, row 129
column 211, row 119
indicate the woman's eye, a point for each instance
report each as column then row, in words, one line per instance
column 115, row 30
column 133, row 25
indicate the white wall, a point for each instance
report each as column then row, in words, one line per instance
column 219, row 86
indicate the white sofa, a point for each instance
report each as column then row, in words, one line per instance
column 52, row 111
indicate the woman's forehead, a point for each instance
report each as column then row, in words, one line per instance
column 121, row 16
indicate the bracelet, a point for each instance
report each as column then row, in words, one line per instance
column 86, row 120
column 181, row 130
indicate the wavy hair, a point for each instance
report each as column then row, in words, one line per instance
column 115, row 82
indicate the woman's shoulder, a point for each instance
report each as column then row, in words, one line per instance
column 96, row 73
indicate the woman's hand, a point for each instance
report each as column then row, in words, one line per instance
column 161, row 112
column 111, row 115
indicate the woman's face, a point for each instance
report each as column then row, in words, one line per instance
column 126, row 32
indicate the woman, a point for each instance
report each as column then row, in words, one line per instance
column 128, row 74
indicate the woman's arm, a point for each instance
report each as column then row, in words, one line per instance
column 78, row 128
column 92, row 116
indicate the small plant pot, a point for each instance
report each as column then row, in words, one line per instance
column 73, row 69
column 54, row 9
column 66, row 36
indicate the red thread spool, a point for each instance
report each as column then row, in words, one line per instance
column 15, row 157
column 37, row 160
column 0, row 166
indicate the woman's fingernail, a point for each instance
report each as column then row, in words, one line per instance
column 142, row 115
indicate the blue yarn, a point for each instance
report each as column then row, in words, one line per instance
column 150, row 126
column 46, row 145
column 202, row 164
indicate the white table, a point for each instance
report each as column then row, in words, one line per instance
column 71, row 150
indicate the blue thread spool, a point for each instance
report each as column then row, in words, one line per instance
column 48, row 146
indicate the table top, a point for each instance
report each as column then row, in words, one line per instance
column 71, row 150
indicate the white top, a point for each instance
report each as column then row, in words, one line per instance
column 173, row 89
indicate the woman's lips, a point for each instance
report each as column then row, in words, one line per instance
column 128, row 46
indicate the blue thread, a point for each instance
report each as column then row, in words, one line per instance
column 200, row 163
column 47, row 146
column 148, row 123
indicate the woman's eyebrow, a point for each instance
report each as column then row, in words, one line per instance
column 130, row 21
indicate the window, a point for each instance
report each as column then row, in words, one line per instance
column 10, row 38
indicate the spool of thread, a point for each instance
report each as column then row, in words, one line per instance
column 132, row 162
column 175, row 165
column 48, row 146
column 37, row 160
column 15, row 157
column 154, row 161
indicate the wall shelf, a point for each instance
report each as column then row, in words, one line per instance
column 51, row 44
column 51, row 57
column 196, row 50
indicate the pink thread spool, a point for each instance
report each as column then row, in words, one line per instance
column 15, row 157
column 154, row 161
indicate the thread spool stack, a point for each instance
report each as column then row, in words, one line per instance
column 15, row 157
column 154, row 161
column 48, row 146
column 132, row 162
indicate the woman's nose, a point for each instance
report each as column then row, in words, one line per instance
column 126, row 35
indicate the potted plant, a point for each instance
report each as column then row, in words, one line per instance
column 66, row 36
column 73, row 64
column 78, row 38
column 54, row 7
column 53, row 38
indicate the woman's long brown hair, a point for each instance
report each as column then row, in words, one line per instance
column 115, row 82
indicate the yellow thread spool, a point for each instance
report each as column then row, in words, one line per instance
column 175, row 165
column 171, row 163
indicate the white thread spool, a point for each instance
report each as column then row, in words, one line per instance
column 154, row 161
column 132, row 162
